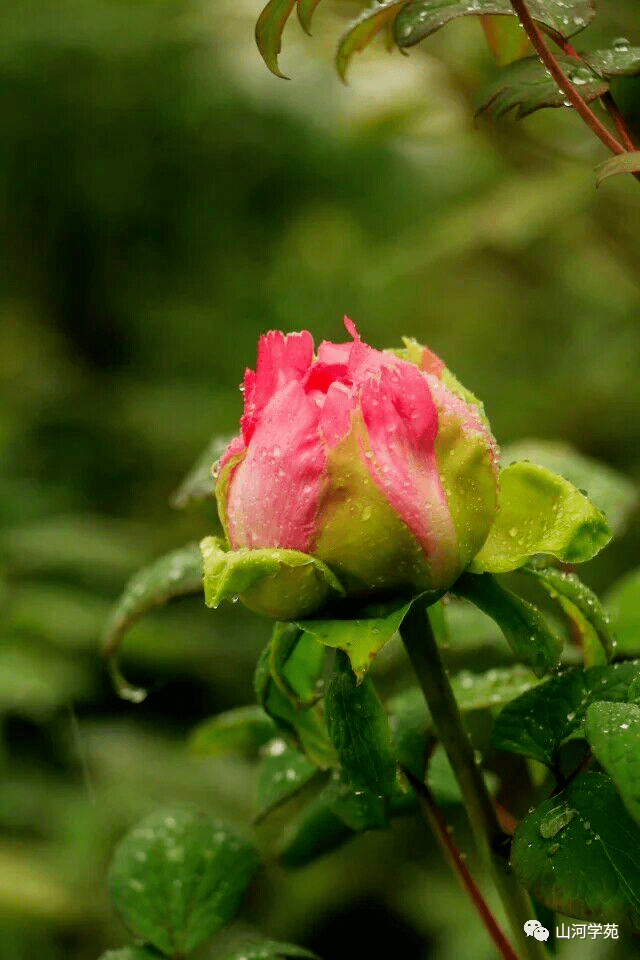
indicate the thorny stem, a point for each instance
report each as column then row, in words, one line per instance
column 492, row 842
column 580, row 105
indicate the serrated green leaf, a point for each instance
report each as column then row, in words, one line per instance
column 175, row 575
column 423, row 17
column 364, row 29
column 523, row 625
column 623, row 163
column 613, row 730
column 568, row 586
column 612, row 493
column 362, row 637
column 254, row 948
column 199, row 484
column 536, row 723
column 242, row 730
column 279, row 584
column 540, row 513
column 179, row 877
column 623, row 604
column 131, row 953
column 269, row 29
column 577, row 853
column 306, row 9
column 359, row 729
column 283, row 772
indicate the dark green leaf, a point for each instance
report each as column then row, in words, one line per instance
column 578, row 853
column 567, row 585
column 306, row 9
column 316, row 832
column 359, row 808
column 623, row 163
column 199, row 484
column 363, row 637
column 613, row 730
column 239, row 731
column 269, row 32
column 254, row 948
column 364, row 29
column 623, row 605
column 179, row 877
column 612, row 493
column 174, row 575
column 540, row 720
column 424, row 17
column 283, row 772
column 525, row 629
column 359, row 729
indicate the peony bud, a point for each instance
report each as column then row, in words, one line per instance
column 377, row 465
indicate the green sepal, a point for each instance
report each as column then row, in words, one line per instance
column 279, row 584
column 566, row 586
column 525, row 629
column 540, row 513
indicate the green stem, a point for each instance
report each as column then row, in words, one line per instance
column 490, row 839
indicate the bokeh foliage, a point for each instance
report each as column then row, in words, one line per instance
column 164, row 201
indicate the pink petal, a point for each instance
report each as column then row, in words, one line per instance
column 274, row 491
column 280, row 359
column 402, row 425
column 335, row 420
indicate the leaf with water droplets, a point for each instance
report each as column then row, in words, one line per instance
column 421, row 18
column 199, row 485
column 179, row 877
column 577, row 853
column 612, row 492
column 540, row 513
column 242, row 730
column 269, row 29
column 536, row 723
column 254, row 948
column 523, row 625
column 613, row 730
column 175, row 575
column 364, row 29
column 283, row 773
column 623, row 163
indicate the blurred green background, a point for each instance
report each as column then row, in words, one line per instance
column 164, row 201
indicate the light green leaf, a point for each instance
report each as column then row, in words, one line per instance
column 482, row 691
column 611, row 492
column 199, row 484
column 255, row 948
column 283, row 773
column 623, row 163
column 242, row 730
column 363, row 637
column 577, row 853
column 175, row 575
column 613, row 730
column 424, row 17
column 364, row 29
column 623, row 605
column 279, row 584
column 269, row 29
column 179, row 877
column 523, row 625
column 306, row 9
column 131, row 953
column 540, row 513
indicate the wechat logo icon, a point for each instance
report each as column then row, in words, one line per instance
column 533, row 928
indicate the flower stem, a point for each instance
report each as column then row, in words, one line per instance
column 492, row 842
column 581, row 106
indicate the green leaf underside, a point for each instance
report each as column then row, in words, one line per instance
column 242, row 730
column 283, row 773
column 540, row 513
column 306, row 9
column 264, row 949
column 523, row 625
column 568, row 586
column 423, row 17
column 525, row 86
column 269, row 29
column 611, row 492
column 577, row 853
column 540, row 720
column 364, row 29
column 361, row 638
column 177, row 574
column 199, row 484
column 623, row 163
column 359, row 729
column 613, row 730
column 178, row 878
